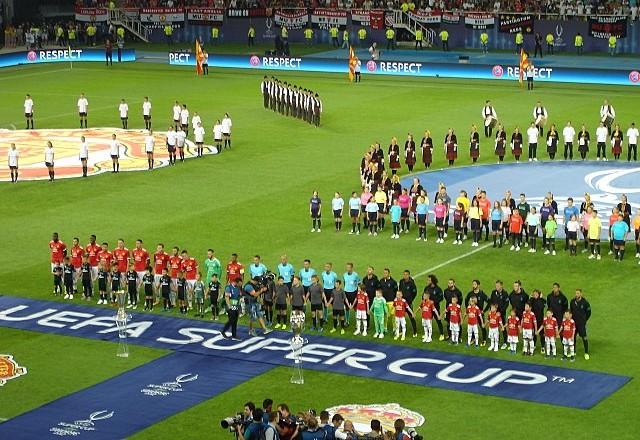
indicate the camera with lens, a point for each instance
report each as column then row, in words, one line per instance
column 231, row 423
column 414, row 434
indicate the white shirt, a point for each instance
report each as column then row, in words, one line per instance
column 606, row 110
column 539, row 111
column 226, row 125
column 176, row 112
column 149, row 143
column 171, row 138
column 573, row 226
column 198, row 132
column 146, row 108
column 28, row 105
column 12, row 157
column 195, row 120
column 632, row 136
column 217, row 132
column 487, row 111
column 532, row 134
column 123, row 109
column 568, row 133
column 114, row 148
column 84, row 150
column 180, row 137
column 48, row 154
column 82, row 105
column 601, row 134
column 184, row 116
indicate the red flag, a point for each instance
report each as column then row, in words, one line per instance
column 524, row 63
column 353, row 60
column 199, row 58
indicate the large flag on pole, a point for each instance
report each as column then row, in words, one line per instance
column 199, row 58
column 524, row 64
column 353, row 60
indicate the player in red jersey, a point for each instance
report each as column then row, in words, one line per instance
column 361, row 305
column 189, row 266
column 428, row 309
column 494, row 322
column 77, row 252
column 454, row 320
column 513, row 330
column 121, row 256
column 175, row 262
column 140, row 258
column 235, row 270
column 474, row 318
column 105, row 257
column 58, row 251
column 550, row 326
column 160, row 261
column 529, row 325
column 92, row 249
column 401, row 308
column 568, row 337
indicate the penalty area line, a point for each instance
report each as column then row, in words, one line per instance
column 453, row 260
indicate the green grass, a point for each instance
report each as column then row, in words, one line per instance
column 254, row 199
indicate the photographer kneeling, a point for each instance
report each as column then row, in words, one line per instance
column 257, row 429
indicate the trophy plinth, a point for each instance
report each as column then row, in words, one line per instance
column 122, row 320
column 297, row 342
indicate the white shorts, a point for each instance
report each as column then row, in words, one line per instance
column 550, row 340
column 191, row 284
column 94, row 272
column 401, row 322
column 527, row 333
column 361, row 314
column 494, row 333
column 512, row 339
column 426, row 323
column 140, row 275
column 156, row 278
column 454, row 327
column 568, row 342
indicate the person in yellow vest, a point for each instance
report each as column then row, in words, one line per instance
column 215, row 35
column 91, row 34
column 284, row 34
column 549, row 39
column 484, row 42
column 613, row 41
column 112, row 5
column 404, row 7
column 519, row 42
column 412, row 6
column 444, row 38
column 345, row 38
column 168, row 33
column 251, row 35
column 419, row 38
column 120, row 32
column 579, row 43
column 60, row 36
column 390, row 35
column 308, row 36
column 72, row 36
column 362, row 37
column 333, row 33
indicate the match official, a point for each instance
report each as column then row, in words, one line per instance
column 581, row 312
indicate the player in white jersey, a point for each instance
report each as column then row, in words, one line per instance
column 226, row 130
column 83, row 106
column 28, row 110
column 184, row 119
column 49, row 157
column 84, row 155
column 632, row 141
column 176, row 114
column 146, row 113
column 114, row 152
column 181, row 137
column 568, row 134
column 123, row 109
column 149, row 144
column 12, row 159
column 217, row 135
column 198, row 133
column 171, row 145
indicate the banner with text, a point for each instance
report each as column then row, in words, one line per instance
column 327, row 18
column 92, row 14
column 376, row 19
column 479, row 21
column 291, row 20
column 605, row 27
column 244, row 13
column 59, row 56
column 159, row 17
column 360, row 17
column 206, row 16
column 426, row 18
column 512, row 24
column 450, row 18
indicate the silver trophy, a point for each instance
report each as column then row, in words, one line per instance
column 122, row 319
column 297, row 341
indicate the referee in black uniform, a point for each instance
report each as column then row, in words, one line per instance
column 409, row 292
column 581, row 311
column 557, row 303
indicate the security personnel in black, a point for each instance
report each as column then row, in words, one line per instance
column 538, row 303
column 389, row 286
column 449, row 293
column 500, row 298
column 557, row 303
column 371, row 284
column 518, row 298
column 409, row 291
column 482, row 301
column 581, row 312
column 436, row 295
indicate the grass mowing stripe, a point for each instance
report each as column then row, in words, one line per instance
column 452, row 260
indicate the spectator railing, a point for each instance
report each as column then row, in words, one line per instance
column 119, row 18
column 404, row 21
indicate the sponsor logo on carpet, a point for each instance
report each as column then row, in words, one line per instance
column 77, row 427
column 9, row 369
column 166, row 388
column 387, row 413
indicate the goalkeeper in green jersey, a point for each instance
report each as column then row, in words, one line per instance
column 379, row 310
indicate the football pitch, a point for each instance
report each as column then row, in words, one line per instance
column 254, row 199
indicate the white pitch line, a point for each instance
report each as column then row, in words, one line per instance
column 22, row 75
column 453, row 260
column 64, row 115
